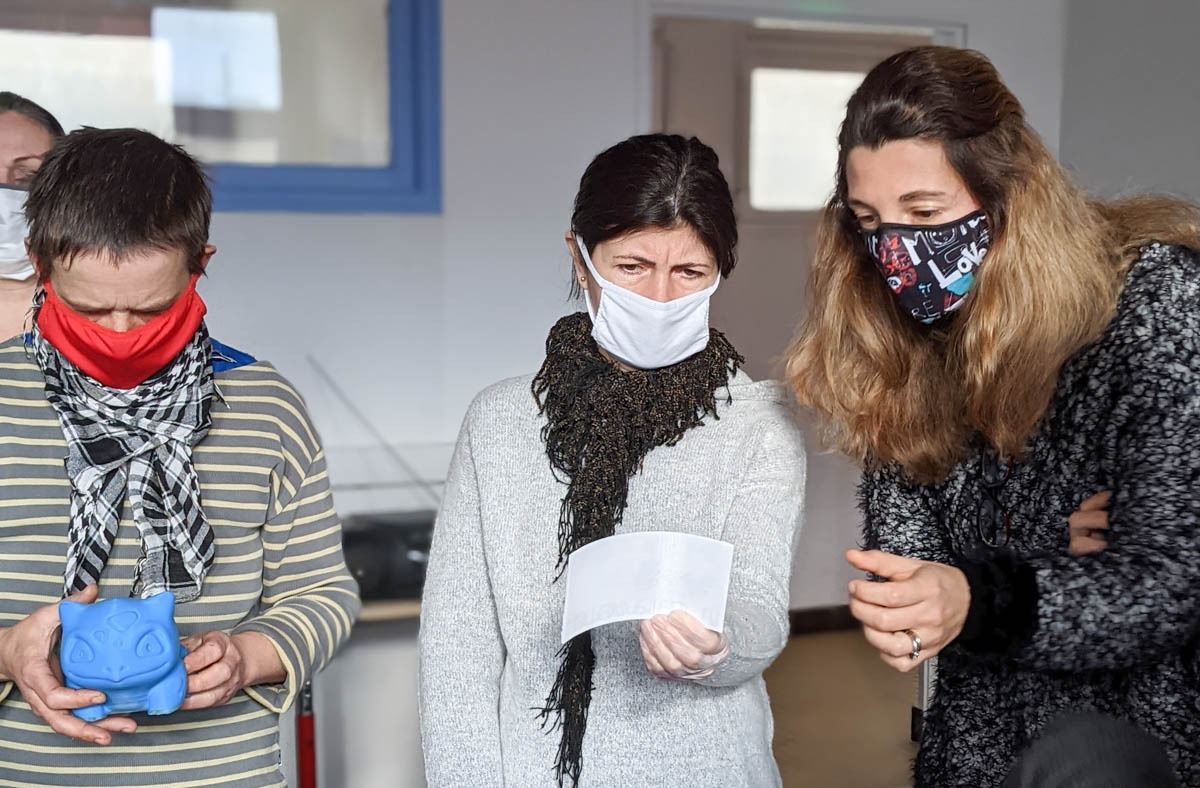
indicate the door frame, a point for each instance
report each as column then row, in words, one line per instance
column 941, row 32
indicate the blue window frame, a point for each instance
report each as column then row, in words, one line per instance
column 412, row 181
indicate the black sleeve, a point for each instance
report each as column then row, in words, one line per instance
column 1003, row 612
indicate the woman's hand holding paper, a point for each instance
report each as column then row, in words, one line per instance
column 680, row 647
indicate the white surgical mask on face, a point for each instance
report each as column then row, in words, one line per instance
column 14, row 260
column 642, row 332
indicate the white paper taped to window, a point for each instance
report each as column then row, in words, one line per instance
column 636, row 576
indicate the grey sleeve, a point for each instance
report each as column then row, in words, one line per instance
column 1137, row 601
column 309, row 599
column 763, row 526
column 462, row 651
column 900, row 517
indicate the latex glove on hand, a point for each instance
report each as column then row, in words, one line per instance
column 678, row 647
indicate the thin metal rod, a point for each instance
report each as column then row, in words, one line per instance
column 390, row 450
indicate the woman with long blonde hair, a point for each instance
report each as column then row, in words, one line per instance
column 996, row 348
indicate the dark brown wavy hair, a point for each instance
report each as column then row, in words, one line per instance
column 890, row 390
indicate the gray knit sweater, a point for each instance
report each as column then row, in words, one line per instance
column 1114, row 632
column 491, row 612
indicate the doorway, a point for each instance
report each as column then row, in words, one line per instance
column 769, row 95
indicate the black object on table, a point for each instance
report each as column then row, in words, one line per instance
column 387, row 552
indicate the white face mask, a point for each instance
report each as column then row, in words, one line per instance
column 642, row 332
column 14, row 260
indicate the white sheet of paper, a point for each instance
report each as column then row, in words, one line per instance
column 636, row 576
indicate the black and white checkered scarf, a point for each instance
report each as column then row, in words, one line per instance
column 135, row 445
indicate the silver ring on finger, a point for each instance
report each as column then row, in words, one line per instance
column 916, row 645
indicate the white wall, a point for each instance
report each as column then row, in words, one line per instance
column 415, row 314
column 1131, row 100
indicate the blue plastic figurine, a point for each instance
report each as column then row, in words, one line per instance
column 126, row 648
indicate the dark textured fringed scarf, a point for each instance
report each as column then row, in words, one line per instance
column 601, row 422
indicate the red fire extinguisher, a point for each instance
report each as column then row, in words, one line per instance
column 306, row 738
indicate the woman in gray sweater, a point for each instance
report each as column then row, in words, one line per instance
column 639, row 420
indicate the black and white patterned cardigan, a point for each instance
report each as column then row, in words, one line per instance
column 1115, row 631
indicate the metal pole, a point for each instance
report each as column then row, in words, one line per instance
column 306, row 738
column 926, row 685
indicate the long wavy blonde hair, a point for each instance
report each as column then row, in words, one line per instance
column 890, row 390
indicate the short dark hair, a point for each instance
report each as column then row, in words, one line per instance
column 657, row 180
column 116, row 191
column 11, row 102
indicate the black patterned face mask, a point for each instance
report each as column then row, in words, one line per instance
column 930, row 268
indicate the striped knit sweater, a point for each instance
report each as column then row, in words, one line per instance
column 278, row 571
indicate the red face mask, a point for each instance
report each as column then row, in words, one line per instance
column 121, row 359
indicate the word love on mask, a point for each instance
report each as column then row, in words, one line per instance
column 930, row 269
